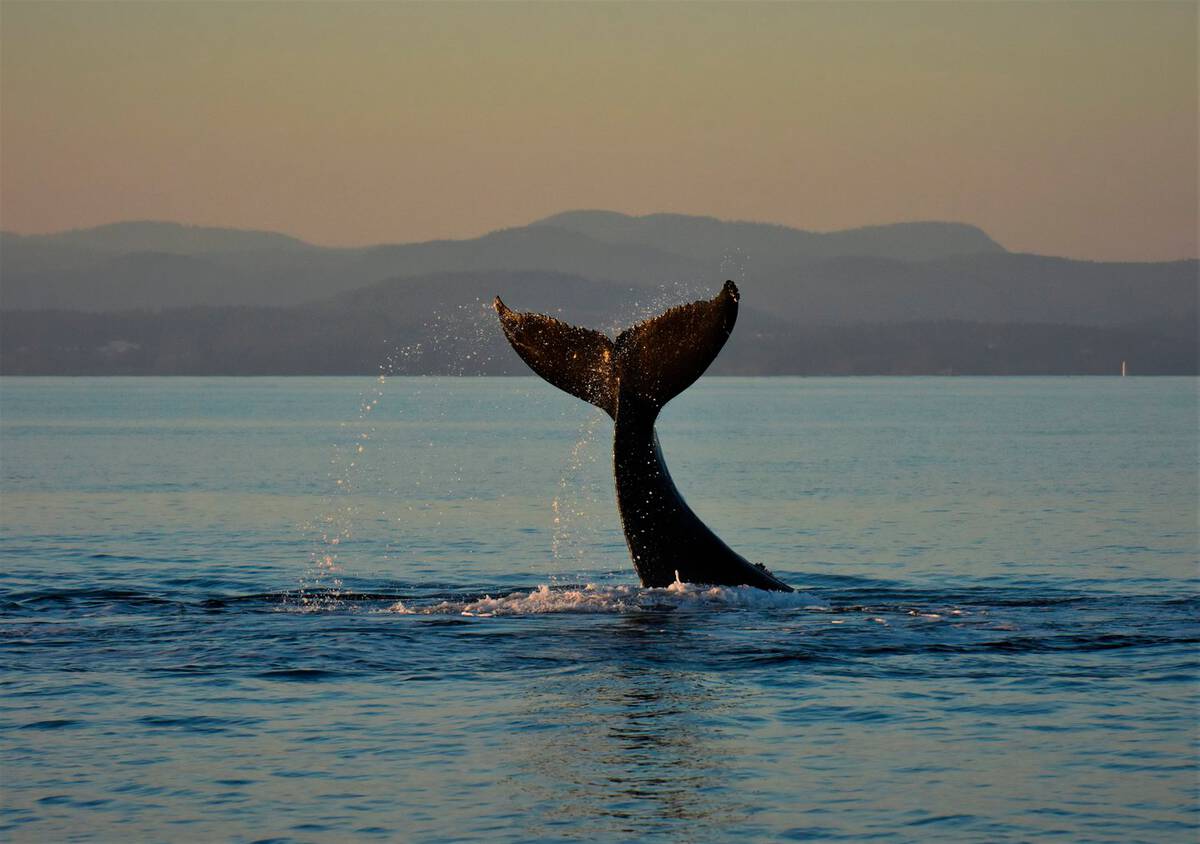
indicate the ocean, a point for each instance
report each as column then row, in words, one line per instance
column 326, row 609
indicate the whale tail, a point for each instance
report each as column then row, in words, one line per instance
column 649, row 364
column 630, row 379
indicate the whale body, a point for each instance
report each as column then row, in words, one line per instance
column 631, row 379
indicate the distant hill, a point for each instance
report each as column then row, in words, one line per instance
column 112, row 281
column 83, row 268
column 809, row 278
column 160, row 297
column 157, row 236
column 766, row 243
column 1003, row 287
column 452, row 330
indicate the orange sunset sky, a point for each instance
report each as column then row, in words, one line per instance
column 1060, row 128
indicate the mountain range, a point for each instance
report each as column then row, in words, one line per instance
column 159, row 297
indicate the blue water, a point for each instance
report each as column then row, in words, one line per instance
column 340, row 609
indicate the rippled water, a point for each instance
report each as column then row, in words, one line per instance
column 327, row 609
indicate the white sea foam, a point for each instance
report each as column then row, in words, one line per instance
column 594, row 598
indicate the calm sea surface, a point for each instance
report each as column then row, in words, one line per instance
column 337, row 609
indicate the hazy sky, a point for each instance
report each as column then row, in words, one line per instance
column 1060, row 128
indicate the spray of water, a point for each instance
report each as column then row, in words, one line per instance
column 733, row 265
column 334, row 530
column 576, row 529
column 458, row 345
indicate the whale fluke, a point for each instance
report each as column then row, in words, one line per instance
column 652, row 362
column 660, row 358
column 576, row 360
column 631, row 379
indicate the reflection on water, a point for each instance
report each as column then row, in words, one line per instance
column 636, row 747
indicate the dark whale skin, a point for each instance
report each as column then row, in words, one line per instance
column 631, row 380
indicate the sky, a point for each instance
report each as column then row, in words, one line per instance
column 1061, row 128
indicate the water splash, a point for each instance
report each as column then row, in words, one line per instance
column 618, row 598
column 460, row 339
column 733, row 265
column 654, row 300
column 576, row 530
column 322, row 581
